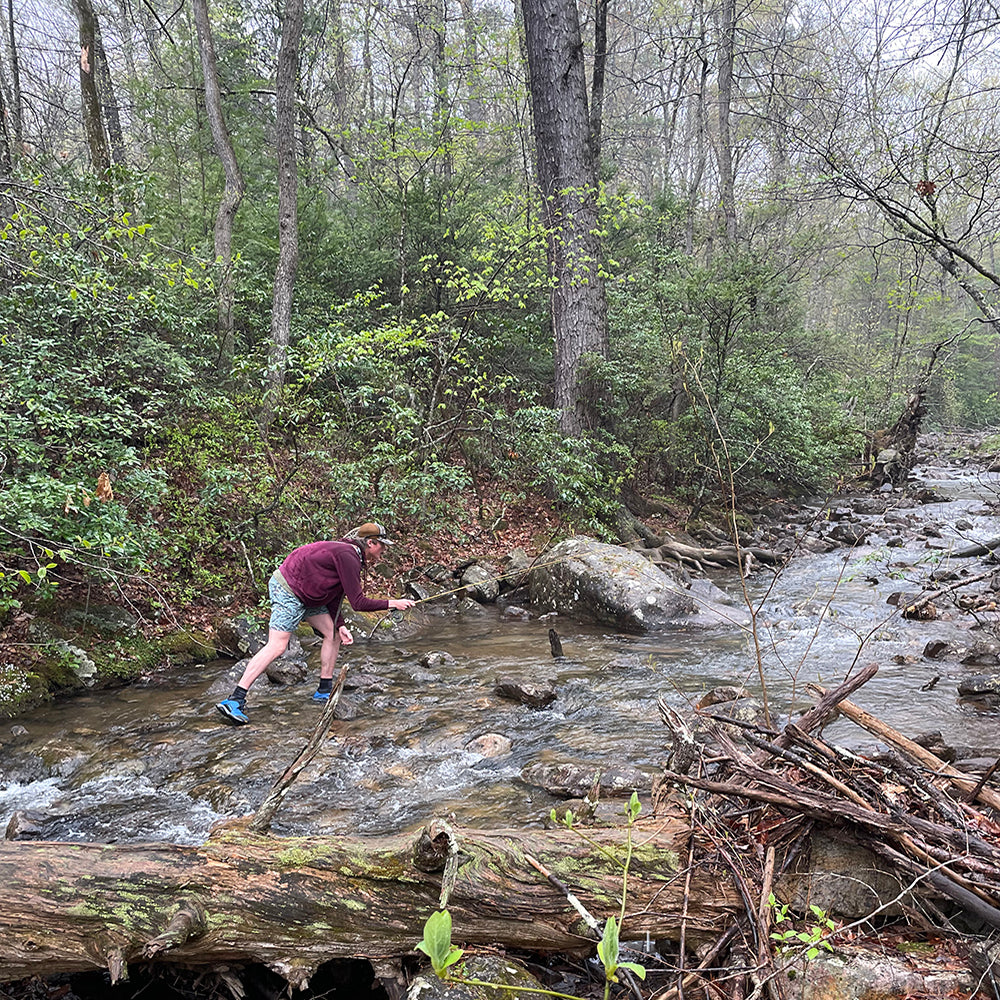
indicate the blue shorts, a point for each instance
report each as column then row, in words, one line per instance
column 287, row 611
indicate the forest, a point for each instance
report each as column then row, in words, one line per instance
column 270, row 270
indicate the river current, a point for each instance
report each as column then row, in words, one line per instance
column 155, row 762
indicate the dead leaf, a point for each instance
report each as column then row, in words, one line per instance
column 85, row 58
column 104, row 491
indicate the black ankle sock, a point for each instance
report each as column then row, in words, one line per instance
column 325, row 684
column 239, row 694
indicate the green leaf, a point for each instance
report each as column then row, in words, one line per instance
column 436, row 944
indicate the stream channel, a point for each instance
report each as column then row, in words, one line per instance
column 154, row 761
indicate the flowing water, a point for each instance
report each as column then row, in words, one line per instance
column 154, row 761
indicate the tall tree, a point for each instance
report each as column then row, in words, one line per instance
column 93, row 121
column 288, row 189
column 234, row 190
column 568, row 181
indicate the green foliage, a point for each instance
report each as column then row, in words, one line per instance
column 608, row 951
column 436, row 943
column 101, row 340
column 707, row 360
column 812, row 938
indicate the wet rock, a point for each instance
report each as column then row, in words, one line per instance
column 939, row 649
column 18, row 735
column 25, row 825
column 531, row 694
column 974, row 765
column 849, row 534
column 719, row 695
column 979, row 685
column 982, row 654
column 290, row 667
column 518, row 614
column 963, row 525
column 569, row 780
column 510, row 974
column 490, row 745
column 480, row 580
column 816, row 545
column 515, row 570
column 934, row 742
column 608, row 583
column 436, row 658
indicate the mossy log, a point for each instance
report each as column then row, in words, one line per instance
column 294, row 903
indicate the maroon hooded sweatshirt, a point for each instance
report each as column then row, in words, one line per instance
column 324, row 573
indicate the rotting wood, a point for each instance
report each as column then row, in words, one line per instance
column 294, row 903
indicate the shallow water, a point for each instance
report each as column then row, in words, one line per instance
column 155, row 762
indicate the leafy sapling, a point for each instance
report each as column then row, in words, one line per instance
column 436, row 943
column 609, row 952
column 812, row 939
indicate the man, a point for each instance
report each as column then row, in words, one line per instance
column 310, row 584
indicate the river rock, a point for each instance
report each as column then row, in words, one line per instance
column 25, row 825
column 849, row 533
column 595, row 581
column 490, row 745
column 568, row 780
column 979, row 685
column 480, row 580
column 982, row 654
column 437, row 658
column 516, row 566
column 533, row 695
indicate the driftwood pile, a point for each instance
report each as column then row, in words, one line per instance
column 761, row 794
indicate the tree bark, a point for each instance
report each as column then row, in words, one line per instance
column 93, row 122
column 293, row 903
column 233, row 192
column 288, row 223
column 727, row 49
column 568, row 180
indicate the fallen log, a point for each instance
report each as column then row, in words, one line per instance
column 294, row 903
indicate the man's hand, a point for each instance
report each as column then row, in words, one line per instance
column 402, row 604
column 345, row 635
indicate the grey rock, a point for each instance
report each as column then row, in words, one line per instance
column 982, row 654
column 534, row 695
column 480, row 580
column 610, row 584
column 569, row 780
column 980, row 684
column 485, row 968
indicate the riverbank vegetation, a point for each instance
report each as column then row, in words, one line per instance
column 210, row 356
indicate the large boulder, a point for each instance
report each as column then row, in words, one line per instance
column 595, row 581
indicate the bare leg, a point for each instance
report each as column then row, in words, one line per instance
column 331, row 643
column 277, row 643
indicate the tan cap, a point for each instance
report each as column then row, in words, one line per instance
column 372, row 530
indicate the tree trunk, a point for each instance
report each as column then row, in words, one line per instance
column 727, row 47
column 16, row 111
column 234, row 190
column 109, row 100
column 597, row 80
column 93, row 121
column 288, row 225
column 568, row 181
column 293, row 903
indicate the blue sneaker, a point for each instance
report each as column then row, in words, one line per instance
column 232, row 710
column 321, row 696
